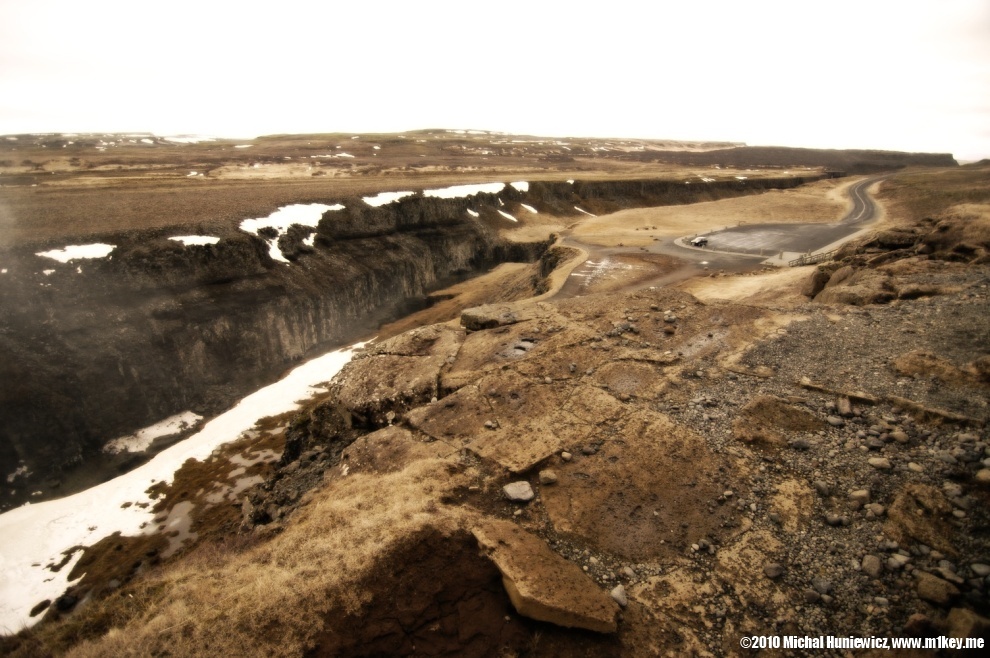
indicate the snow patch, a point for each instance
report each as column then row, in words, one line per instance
column 385, row 197
column 304, row 214
column 243, row 146
column 142, row 439
column 188, row 240
column 74, row 251
column 37, row 534
column 585, row 212
column 308, row 240
column 522, row 186
column 473, row 213
column 20, row 471
column 458, row 191
column 741, row 177
column 507, row 215
column 529, row 208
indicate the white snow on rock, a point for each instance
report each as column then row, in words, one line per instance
column 458, row 191
column 142, row 439
column 243, row 146
column 308, row 240
column 507, row 215
column 529, row 208
column 585, row 212
column 473, row 213
column 146, row 141
column 382, row 198
column 192, row 173
column 48, row 272
column 570, row 180
column 741, row 177
column 74, row 251
column 189, row 240
column 37, row 534
column 522, row 186
column 305, row 214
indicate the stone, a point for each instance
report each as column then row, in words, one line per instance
column 900, row 436
column 547, row 476
column 822, row 488
column 618, row 595
column 963, row 623
column 844, row 407
column 520, row 492
column 566, row 456
column 859, row 497
column 628, row 572
column 897, row 561
column 918, row 625
column 983, row 476
column 822, row 586
column 935, row 590
column 773, row 570
column 880, row 463
column 872, row 566
column 980, row 569
column 876, row 509
column 835, row 520
column 835, row 421
column 542, row 585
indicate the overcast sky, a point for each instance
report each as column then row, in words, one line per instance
column 904, row 75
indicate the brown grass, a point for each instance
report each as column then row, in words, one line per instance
column 917, row 194
column 270, row 600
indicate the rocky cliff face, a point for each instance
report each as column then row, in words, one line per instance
column 95, row 349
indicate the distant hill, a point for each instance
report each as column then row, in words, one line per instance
column 849, row 161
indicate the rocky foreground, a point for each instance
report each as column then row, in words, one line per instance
column 638, row 474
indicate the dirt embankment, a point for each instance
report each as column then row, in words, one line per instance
column 684, row 473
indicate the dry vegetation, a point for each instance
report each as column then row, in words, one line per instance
column 271, row 595
column 76, row 187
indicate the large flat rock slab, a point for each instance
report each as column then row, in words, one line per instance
column 648, row 490
column 397, row 375
column 541, row 584
column 505, row 417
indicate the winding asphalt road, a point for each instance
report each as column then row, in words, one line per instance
column 770, row 239
column 736, row 249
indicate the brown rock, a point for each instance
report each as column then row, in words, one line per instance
column 935, row 590
column 768, row 420
column 872, row 566
column 917, row 514
column 397, row 375
column 963, row 622
column 541, row 584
